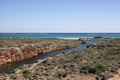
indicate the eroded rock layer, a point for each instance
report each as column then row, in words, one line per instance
column 17, row 49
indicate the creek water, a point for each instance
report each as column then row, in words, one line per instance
column 7, row 68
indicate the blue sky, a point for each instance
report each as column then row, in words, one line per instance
column 60, row 16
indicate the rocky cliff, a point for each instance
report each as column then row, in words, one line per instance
column 13, row 54
column 14, row 49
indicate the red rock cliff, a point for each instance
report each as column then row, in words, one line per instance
column 26, row 51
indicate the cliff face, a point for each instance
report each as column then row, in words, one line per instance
column 29, row 51
column 13, row 54
column 18, row 53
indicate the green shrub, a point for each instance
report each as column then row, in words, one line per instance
column 102, row 68
column 27, row 73
column 94, row 69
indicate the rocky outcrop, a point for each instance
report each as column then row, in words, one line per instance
column 29, row 51
column 13, row 54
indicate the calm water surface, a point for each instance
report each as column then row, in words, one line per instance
column 59, row 35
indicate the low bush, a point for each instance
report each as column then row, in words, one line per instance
column 94, row 69
column 27, row 73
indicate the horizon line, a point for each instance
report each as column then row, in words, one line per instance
column 58, row 32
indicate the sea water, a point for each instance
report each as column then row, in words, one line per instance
column 59, row 35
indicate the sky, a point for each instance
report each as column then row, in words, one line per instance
column 57, row 16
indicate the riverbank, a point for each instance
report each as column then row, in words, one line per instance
column 96, row 62
column 17, row 49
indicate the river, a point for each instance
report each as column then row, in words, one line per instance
column 7, row 68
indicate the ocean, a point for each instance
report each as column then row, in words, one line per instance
column 59, row 35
